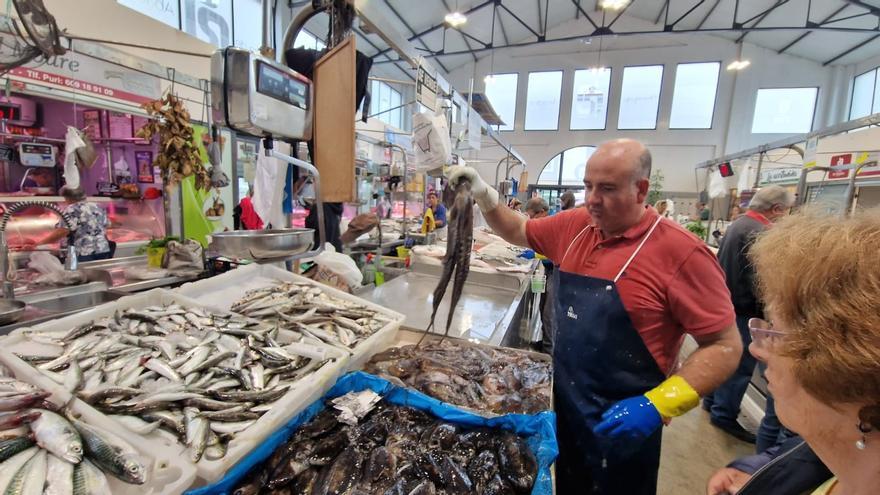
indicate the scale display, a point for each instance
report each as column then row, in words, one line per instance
column 255, row 95
column 36, row 155
column 272, row 82
column 10, row 112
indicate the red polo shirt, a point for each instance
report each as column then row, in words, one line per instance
column 673, row 286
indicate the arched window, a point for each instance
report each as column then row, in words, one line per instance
column 567, row 168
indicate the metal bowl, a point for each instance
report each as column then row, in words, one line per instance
column 262, row 244
column 10, row 311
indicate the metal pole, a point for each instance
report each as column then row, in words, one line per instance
column 758, row 173
column 266, row 50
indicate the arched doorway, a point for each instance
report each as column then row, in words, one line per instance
column 564, row 172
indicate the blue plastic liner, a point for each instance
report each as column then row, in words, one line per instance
column 539, row 430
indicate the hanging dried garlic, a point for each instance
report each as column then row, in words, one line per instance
column 178, row 155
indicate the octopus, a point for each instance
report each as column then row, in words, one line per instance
column 458, row 249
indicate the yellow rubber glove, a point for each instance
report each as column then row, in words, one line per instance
column 673, row 397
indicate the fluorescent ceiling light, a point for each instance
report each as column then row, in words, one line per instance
column 455, row 19
column 613, row 4
column 738, row 65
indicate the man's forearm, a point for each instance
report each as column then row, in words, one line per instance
column 507, row 224
column 713, row 362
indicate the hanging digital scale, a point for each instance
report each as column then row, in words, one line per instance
column 36, row 154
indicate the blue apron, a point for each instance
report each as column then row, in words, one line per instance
column 599, row 358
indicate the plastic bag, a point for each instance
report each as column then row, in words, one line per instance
column 340, row 264
column 717, row 187
column 184, row 258
column 431, row 141
column 539, row 430
column 72, row 142
column 51, row 270
column 744, row 184
column 85, row 154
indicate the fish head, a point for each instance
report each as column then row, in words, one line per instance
column 133, row 470
column 74, row 452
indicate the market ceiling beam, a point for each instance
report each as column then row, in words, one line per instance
column 681, row 17
column 500, row 24
column 871, row 8
column 442, row 25
column 708, row 14
column 584, row 12
column 463, row 38
column 364, row 37
column 664, row 8
column 854, row 48
column 412, row 31
column 518, row 19
column 658, row 32
column 623, row 11
column 760, row 17
column 801, row 37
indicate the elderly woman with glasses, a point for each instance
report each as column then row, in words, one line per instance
column 819, row 277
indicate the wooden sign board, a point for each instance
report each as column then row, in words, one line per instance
column 334, row 118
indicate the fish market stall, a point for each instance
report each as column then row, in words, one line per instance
column 162, row 357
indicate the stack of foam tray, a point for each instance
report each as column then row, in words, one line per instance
column 224, row 290
column 302, row 393
column 539, row 430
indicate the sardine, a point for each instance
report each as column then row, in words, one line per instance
column 55, row 434
column 12, row 446
column 10, row 467
column 111, row 453
column 89, row 480
column 196, row 433
column 30, row 478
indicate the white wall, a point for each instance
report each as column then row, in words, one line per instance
column 675, row 151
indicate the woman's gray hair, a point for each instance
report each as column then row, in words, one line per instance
column 768, row 197
column 73, row 193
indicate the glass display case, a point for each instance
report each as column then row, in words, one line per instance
column 132, row 221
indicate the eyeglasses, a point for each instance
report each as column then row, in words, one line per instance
column 763, row 334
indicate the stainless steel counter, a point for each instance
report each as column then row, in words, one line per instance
column 490, row 309
column 116, row 267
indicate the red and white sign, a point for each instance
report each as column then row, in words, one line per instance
column 83, row 74
column 837, row 161
column 72, row 84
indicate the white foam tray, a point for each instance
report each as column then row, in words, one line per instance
column 168, row 471
column 302, row 393
column 223, row 290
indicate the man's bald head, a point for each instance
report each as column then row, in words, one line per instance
column 628, row 154
column 617, row 182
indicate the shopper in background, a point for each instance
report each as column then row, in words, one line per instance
column 438, row 209
column 818, row 277
column 537, row 208
column 247, row 215
column 768, row 205
column 630, row 284
column 88, row 223
column 566, row 201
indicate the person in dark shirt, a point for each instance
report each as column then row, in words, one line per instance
column 767, row 206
